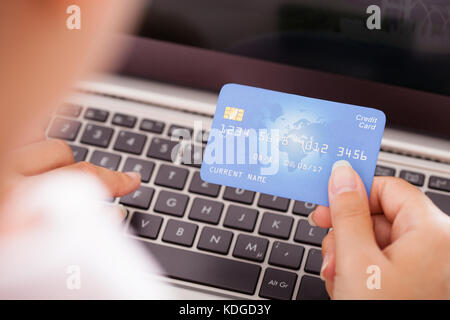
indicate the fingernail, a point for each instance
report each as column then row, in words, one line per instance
column 120, row 209
column 342, row 177
column 134, row 175
column 123, row 211
column 324, row 266
column 310, row 220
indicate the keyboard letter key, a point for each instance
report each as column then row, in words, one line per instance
column 201, row 187
column 179, row 232
column 145, row 225
column 215, row 240
column 276, row 225
column 250, row 248
column 240, row 218
column 171, row 203
column 309, row 234
column 206, row 211
column 140, row 198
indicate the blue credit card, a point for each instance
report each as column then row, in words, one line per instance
column 285, row 145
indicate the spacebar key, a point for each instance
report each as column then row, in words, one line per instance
column 206, row 269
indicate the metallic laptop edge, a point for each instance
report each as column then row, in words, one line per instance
column 202, row 102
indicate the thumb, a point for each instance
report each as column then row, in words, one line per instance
column 350, row 213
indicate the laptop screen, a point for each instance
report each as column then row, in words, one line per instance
column 349, row 50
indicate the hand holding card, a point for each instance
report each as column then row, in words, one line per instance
column 285, row 145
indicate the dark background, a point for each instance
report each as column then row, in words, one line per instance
column 319, row 48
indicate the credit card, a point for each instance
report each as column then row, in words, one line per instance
column 285, row 145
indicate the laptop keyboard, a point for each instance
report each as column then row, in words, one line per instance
column 232, row 239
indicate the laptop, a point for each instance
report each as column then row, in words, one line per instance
column 207, row 237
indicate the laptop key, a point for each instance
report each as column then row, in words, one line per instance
column 414, row 178
column 152, row 126
column 215, row 240
column 64, row 129
column 303, row 208
column 240, row 218
column 163, row 149
column 238, row 195
column 439, row 183
column 140, row 198
column 143, row 167
column 192, row 155
column 277, row 284
column 124, row 120
column 79, row 153
column 202, row 187
column 442, row 201
column 180, row 232
column 171, row 203
column 312, row 288
column 145, row 225
column 286, row 255
column 130, row 142
column 172, row 177
column 276, row 225
column 105, row 159
column 181, row 132
column 202, row 136
column 250, row 248
column 384, row 171
column 206, row 211
column 97, row 135
column 314, row 261
column 70, row 110
column 96, row 114
column 273, row 202
column 309, row 234
column 206, row 269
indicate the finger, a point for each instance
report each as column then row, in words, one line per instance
column 117, row 183
column 329, row 285
column 320, row 217
column 390, row 196
column 350, row 214
column 118, row 210
column 34, row 132
column 407, row 199
column 382, row 228
column 42, row 157
column 327, row 271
